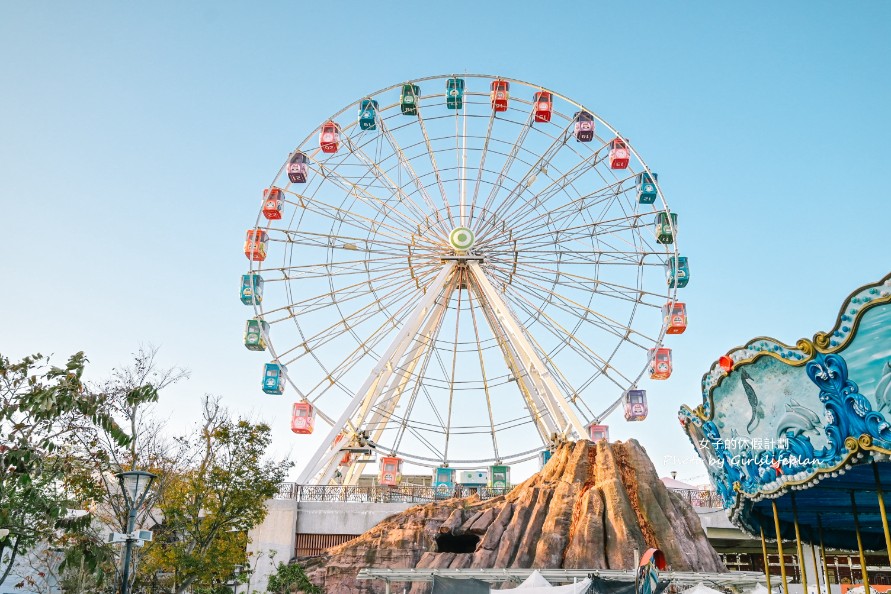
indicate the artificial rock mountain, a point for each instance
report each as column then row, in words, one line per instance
column 591, row 506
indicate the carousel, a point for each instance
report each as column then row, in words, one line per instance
column 797, row 438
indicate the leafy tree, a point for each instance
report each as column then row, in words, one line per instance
column 129, row 395
column 44, row 475
column 214, row 498
column 289, row 577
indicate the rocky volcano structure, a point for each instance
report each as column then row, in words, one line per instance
column 590, row 507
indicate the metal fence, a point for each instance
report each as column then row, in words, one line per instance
column 381, row 493
column 700, row 497
column 425, row 494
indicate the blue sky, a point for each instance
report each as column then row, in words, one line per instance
column 136, row 138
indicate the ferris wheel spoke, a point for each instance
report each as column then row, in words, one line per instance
column 432, row 154
column 529, row 220
column 569, row 257
column 355, row 318
column 571, row 307
column 511, row 157
column 383, row 411
column 559, row 230
column 326, row 269
column 458, row 279
column 610, row 189
column 546, row 157
column 381, row 176
column 565, row 337
column 400, row 218
column 356, row 220
column 333, row 271
column 376, row 232
column 365, row 347
column 481, row 168
column 597, row 285
column 416, row 389
column 406, row 165
column 482, row 361
column 556, row 185
column 341, row 296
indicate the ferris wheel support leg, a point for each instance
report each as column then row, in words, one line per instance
column 378, row 377
column 533, row 366
column 391, row 395
column 544, row 423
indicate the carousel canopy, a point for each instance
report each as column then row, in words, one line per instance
column 806, row 428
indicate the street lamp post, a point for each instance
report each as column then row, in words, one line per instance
column 135, row 485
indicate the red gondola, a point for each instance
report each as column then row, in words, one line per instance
column 598, row 432
column 499, row 94
column 674, row 316
column 255, row 244
column 542, row 106
column 347, row 456
column 619, row 155
column 329, row 137
column 390, row 471
column 660, row 363
column 273, row 203
column 302, row 418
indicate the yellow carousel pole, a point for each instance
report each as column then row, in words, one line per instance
column 860, row 545
column 881, row 496
column 816, row 565
column 776, row 524
column 766, row 563
column 823, row 556
column 801, row 565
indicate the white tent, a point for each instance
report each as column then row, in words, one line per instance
column 701, row 588
column 537, row 584
column 535, row 580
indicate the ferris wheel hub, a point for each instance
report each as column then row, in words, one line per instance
column 462, row 239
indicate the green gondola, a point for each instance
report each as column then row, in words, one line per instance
column 665, row 227
column 408, row 99
column 255, row 333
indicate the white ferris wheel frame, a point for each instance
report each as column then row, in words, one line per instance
column 551, row 411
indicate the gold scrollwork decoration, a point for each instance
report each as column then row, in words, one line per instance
column 807, row 347
column 852, row 444
column 821, row 340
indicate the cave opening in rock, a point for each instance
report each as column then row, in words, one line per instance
column 457, row 543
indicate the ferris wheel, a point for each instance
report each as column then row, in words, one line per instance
column 459, row 271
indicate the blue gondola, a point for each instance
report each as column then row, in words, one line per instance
column 444, row 482
column 543, row 457
column 367, row 114
column 274, row 377
column 646, row 187
column 677, row 273
column 251, row 289
column 455, row 93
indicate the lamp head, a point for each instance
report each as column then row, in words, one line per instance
column 135, row 485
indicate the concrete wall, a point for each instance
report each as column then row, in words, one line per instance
column 288, row 517
column 316, row 517
column 276, row 534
